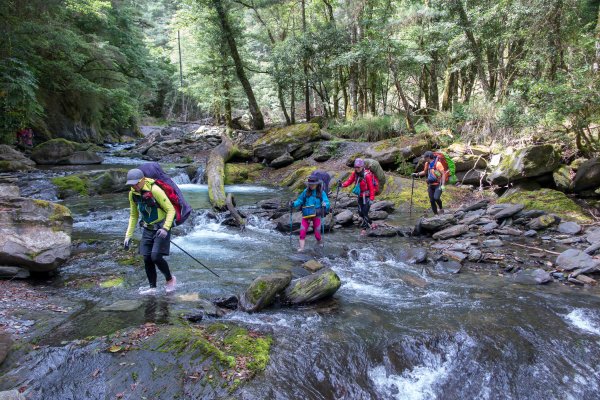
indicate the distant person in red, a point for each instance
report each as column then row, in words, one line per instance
column 25, row 137
column 29, row 137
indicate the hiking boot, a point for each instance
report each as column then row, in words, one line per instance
column 374, row 226
column 147, row 290
column 441, row 211
column 363, row 232
column 170, row 286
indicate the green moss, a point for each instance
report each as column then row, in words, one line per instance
column 257, row 290
column 5, row 165
column 551, row 201
column 289, row 134
column 133, row 260
column 298, row 177
column 113, row 282
column 242, row 173
column 41, row 203
column 241, row 343
column 68, row 185
column 59, row 213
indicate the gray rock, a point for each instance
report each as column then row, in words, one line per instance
column 448, row 267
column 5, row 345
column 261, row 293
column 387, row 152
column 12, row 395
column 9, row 191
column 468, row 162
column 304, row 151
column 588, row 176
column 543, row 222
column 13, row 273
column 509, row 211
column 384, row 205
column 34, row 234
column 592, row 249
column 12, row 160
column 530, row 233
column 496, row 208
column 283, row 222
column 123, row 306
column 477, row 206
column 532, row 277
column 492, row 243
column 344, row 218
column 279, row 141
column 383, row 232
column 209, row 309
column 569, row 228
column 282, row 161
column 593, row 236
column 474, row 255
column 312, row 265
column 437, row 222
column 489, row 227
column 378, row 215
column 82, row 158
column 61, row 151
column 473, row 177
column 454, row 255
column 529, row 162
column 451, row 232
column 562, row 178
column 313, row 287
column 572, row 259
column 413, row 255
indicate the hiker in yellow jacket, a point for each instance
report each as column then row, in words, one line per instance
column 157, row 215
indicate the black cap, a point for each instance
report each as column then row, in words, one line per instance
column 428, row 154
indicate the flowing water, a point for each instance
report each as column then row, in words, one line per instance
column 392, row 331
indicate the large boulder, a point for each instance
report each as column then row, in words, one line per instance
column 61, row 152
column 562, row 178
column 344, row 218
column 282, row 161
column 472, row 177
column 283, row 222
column 437, row 222
column 551, row 201
column 588, row 176
column 34, row 234
column 279, row 141
column 12, row 160
column 388, row 152
column 313, row 287
column 572, row 259
column 525, row 163
column 532, row 277
column 262, row 291
column 467, row 162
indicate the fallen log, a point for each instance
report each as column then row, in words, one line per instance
column 241, row 221
column 215, row 171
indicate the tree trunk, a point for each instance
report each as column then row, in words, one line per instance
column 293, row 103
column 215, row 171
column 450, row 82
column 282, row 104
column 596, row 65
column 554, row 40
column 403, row 99
column 305, row 65
column 257, row 117
column 373, row 92
column 433, row 87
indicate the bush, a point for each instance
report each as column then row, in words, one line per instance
column 370, row 129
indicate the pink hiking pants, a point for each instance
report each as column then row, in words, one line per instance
column 316, row 227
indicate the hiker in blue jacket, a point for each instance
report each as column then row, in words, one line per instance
column 315, row 205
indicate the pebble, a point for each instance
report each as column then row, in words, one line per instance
column 530, row 233
column 492, row 243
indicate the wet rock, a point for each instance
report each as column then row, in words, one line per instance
column 279, row 141
column 313, row 287
column 262, row 291
column 12, row 160
column 572, row 259
column 283, row 222
column 383, row 232
column 475, row 255
column 282, row 161
column 61, row 152
column 413, row 280
column 592, row 249
column 588, row 175
column 448, row 267
column 530, row 233
column 477, row 206
column 312, row 265
column 454, row 255
column 529, row 162
column 270, row 204
column 489, row 227
column 413, row 255
column 509, row 211
column 543, row 222
column 123, row 306
column 209, row 309
column 83, row 158
column 384, row 205
column 586, row 280
column 437, row 222
column 378, row 215
column 13, row 273
column 451, row 232
column 532, row 277
column 229, row 303
column 194, row 318
column 387, row 152
column 593, row 236
column 344, row 218
column 562, row 178
column 34, row 234
column 492, row 243
column 569, row 228
column 5, row 345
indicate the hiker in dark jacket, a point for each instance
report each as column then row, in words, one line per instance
column 149, row 201
column 436, row 177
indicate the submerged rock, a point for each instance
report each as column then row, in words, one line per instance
column 123, row 306
column 532, row 277
column 313, row 287
column 448, row 267
column 414, row 255
column 262, row 291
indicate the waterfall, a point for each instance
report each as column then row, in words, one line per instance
column 199, row 178
column 181, row 179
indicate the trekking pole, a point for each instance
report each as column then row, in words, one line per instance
column 194, row 258
column 412, row 190
column 323, row 232
column 291, row 224
column 333, row 209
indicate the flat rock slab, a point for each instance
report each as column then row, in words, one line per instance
column 448, row 267
column 383, row 232
column 415, row 255
column 5, row 345
column 572, row 259
column 312, row 265
column 593, row 236
column 437, row 222
column 492, row 243
column 477, row 206
column 384, row 205
column 454, row 255
column 569, row 228
column 532, row 277
column 451, row 232
column 509, row 211
column 12, row 395
column 13, row 273
column 123, row 306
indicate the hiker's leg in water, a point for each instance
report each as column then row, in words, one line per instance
column 162, row 265
column 363, row 212
column 317, row 228
column 303, row 228
column 150, row 271
column 431, row 191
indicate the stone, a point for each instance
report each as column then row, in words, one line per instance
column 454, row 255
column 282, row 161
column 413, row 255
column 344, row 218
column 546, row 200
column 496, row 208
column 569, row 228
column 123, row 306
column 448, row 267
column 489, row 227
column 562, row 178
column 283, row 222
column 270, row 204
column 83, row 158
column 13, row 273
column 12, row 160
column 384, row 205
column 588, row 176
column 325, row 151
column 572, row 259
column 378, row 215
column 532, row 277
column 312, row 265
column 313, row 287
column 592, row 249
column 388, row 152
column 451, row 232
column 209, row 309
column 593, row 236
column 9, row 191
column 475, row 255
column 508, row 231
column 481, row 204
column 262, row 291
column 383, row 232
column 529, row 162
column 492, row 243
column 303, row 151
column 473, row 177
column 12, row 395
column 34, row 234
column 543, row 222
column 279, row 141
column 468, row 162
column 586, row 280
column 5, row 345
column 229, row 303
column 530, row 233
column 437, row 222
column 509, row 211
column 61, row 152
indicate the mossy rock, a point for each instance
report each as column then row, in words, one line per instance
column 313, row 287
column 562, row 178
column 398, row 191
column 242, row 173
column 277, row 142
column 55, row 151
column 115, row 281
column 261, row 293
column 529, row 162
column 12, row 160
column 71, row 185
column 296, row 180
column 551, row 201
column 390, row 151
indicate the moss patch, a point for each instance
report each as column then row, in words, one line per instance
column 71, row 185
column 290, row 134
column 298, row 177
column 113, row 282
column 242, row 173
column 551, row 201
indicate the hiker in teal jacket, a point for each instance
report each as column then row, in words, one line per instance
column 315, row 205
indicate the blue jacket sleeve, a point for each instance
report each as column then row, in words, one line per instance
column 300, row 200
column 326, row 201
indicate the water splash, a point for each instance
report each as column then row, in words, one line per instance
column 585, row 320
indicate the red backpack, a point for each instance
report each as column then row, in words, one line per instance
column 172, row 196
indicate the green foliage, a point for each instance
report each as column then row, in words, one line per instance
column 370, row 129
